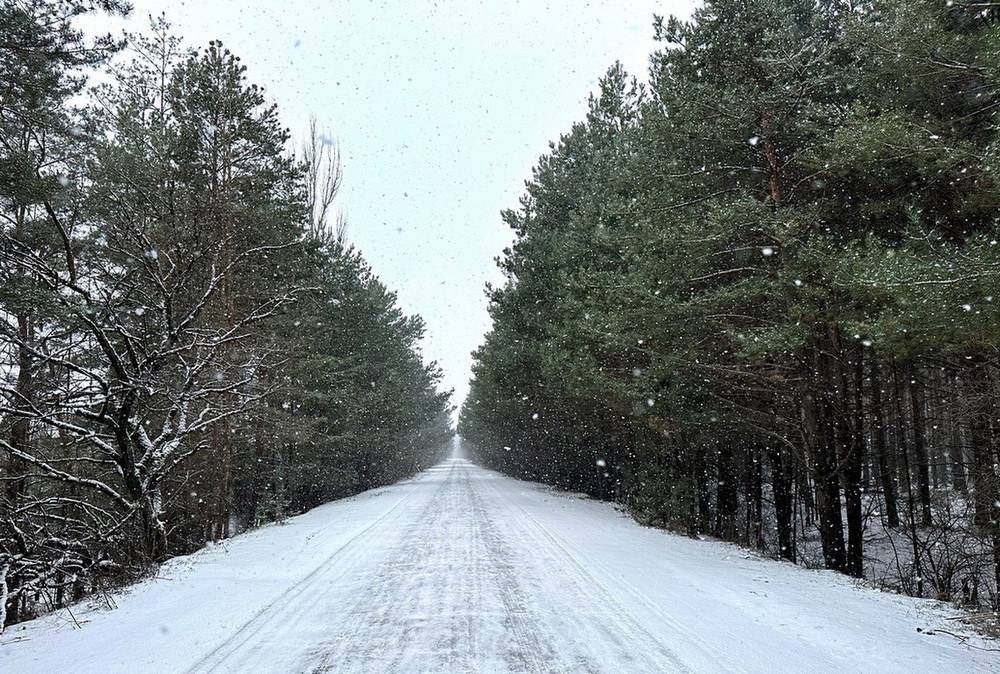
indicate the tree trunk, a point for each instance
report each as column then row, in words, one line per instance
column 20, row 427
column 818, row 426
column 223, row 476
column 916, row 388
column 755, row 498
column 702, row 520
column 784, row 506
column 16, row 469
column 959, row 439
column 726, row 506
column 853, row 459
column 886, row 460
column 907, row 476
column 818, row 413
column 985, row 481
column 154, row 536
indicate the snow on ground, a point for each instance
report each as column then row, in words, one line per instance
column 463, row 570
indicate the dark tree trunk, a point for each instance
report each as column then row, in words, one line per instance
column 726, row 507
column 985, row 481
column 755, row 498
column 906, row 472
column 15, row 468
column 853, row 460
column 154, row 537
column 959, row 439
column 818, row 414
column 784, row 506
column 916, row 388
column 220, row 524
column 804, row 493
column 20, row 428
column 886, row 460
column 702, row 519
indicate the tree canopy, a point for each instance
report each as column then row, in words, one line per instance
column 750, row 293
column 185, row 349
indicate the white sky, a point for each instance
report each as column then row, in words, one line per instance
column 441, row 108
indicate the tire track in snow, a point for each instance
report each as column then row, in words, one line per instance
column 612, row 629
column 280, row 610
column 375, row 627
column 531, row 653
column 412, row 596
column 463, row 579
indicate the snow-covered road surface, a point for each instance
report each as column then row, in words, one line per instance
column 462, row 570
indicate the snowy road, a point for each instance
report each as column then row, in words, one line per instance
column 461, row 570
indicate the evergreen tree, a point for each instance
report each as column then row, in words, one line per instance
column 159, row 258
column 41, row 142
column 754, row 277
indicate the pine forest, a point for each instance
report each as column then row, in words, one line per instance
column 188, row 344
column 753, row 297
column 758, row 298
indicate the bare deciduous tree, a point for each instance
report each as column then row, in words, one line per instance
column 324, row 176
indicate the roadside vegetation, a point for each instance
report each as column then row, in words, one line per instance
column 757, row 299
column 189, row 345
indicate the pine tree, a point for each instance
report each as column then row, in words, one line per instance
column 42, row 141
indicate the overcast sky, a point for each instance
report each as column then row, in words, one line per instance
column 441, row 108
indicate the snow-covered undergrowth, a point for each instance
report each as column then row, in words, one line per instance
column 950, row 560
